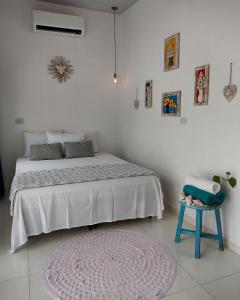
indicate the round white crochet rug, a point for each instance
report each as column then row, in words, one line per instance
column 109, row 265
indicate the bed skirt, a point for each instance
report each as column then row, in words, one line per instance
column 46, row 209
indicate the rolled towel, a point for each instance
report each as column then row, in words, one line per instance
column 206, row 197
column 203, row 184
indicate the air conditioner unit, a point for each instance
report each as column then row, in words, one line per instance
column 55, row 23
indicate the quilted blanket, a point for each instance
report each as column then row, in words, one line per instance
column 37, row 179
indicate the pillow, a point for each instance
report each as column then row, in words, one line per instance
column 46, row 152
column 53, row 138
column 79, row 149
column 93, row 137
column 34, row 138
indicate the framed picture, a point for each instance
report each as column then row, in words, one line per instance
column 171, row 104
column 171, row 52
column 148, row 93
column 201, row 88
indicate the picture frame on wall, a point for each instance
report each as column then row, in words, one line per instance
column 148, row 93
column 171, row 104
column 201, row 87
column 171, row 52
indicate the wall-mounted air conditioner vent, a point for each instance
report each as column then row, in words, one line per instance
column 54, row 23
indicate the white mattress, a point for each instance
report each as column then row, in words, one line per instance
column 45, row 209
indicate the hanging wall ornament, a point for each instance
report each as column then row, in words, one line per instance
column 60, row 69
column 230, row 90
column 136, row 101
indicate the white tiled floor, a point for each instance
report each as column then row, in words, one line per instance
column 216, row 276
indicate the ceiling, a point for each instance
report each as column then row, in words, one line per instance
column 102, row 5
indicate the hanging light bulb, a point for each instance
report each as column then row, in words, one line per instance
column 115, row 77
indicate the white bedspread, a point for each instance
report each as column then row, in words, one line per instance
column 45, row 209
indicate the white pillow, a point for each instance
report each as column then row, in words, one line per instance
column 53, row 138
column 93, row 136
column 34, row 138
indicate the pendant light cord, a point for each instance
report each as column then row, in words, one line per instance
column 114, row 9
column 115, row 42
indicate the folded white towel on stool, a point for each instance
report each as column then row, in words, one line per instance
column 203, row 184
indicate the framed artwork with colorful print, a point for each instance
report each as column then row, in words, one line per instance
column 201, row 89
column 148, row 93
column 171, row 104
column 171, row 52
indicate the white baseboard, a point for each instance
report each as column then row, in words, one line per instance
column 191, row 221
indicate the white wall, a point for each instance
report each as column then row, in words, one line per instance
column 89, row 100
column 209, row 143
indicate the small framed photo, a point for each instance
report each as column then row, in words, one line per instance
column 171, row 104
column 171, row 52
column 201, row 88
column 148, row 93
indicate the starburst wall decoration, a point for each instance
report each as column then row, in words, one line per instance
column 60, row 68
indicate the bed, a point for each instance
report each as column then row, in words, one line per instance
column 45, row 209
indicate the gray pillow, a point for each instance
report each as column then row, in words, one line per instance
column 79, row 149
column 46, row 152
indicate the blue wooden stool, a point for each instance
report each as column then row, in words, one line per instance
column 198, row 232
